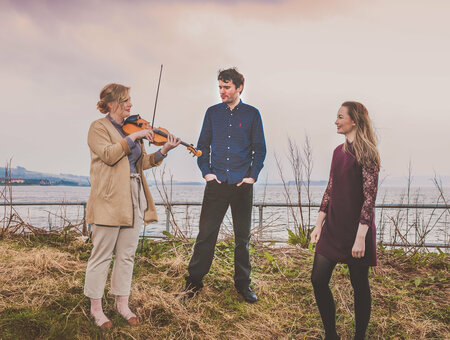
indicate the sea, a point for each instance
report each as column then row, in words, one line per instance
column 431, row 226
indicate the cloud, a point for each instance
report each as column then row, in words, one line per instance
column 301, row 60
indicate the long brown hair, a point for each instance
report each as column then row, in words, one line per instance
column 365, row 143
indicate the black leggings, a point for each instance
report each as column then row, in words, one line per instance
column 359, row 276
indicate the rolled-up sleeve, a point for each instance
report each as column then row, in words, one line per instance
column 150, row 160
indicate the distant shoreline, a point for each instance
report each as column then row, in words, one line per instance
column 313, row 183
column 46, row 185
column 318, row 184
column 19, row 176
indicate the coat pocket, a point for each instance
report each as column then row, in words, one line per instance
column 108, row 188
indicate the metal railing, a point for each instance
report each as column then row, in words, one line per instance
column 260, row 207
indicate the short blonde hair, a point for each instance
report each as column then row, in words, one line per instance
column 112, row 93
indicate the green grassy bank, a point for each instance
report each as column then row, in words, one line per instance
column 41, row 295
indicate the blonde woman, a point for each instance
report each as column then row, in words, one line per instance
column 119, row 200
column 345, row 229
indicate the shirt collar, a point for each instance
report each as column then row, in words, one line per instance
column 235, row 108
column 113, row 121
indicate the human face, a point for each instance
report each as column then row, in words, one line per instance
column 345, row 125
column 228, row 92
column 126, row 107
column 122, row 110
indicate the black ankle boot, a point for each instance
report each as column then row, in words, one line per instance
column 191, row 288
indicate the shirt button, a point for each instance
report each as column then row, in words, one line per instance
column 229, row 136
column 228, row 159
column 228, row 148
column 230, row 125
column 228, row 170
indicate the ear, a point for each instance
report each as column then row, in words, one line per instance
column 239, row 89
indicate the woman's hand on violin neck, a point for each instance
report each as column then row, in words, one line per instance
column 144, row 133
column 172, row 142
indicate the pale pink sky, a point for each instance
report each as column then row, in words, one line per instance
column 301, row 60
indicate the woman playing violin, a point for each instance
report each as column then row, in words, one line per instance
column 119, row 200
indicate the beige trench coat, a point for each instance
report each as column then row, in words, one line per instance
column 110, row 198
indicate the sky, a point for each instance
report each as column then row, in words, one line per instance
column 301, row 60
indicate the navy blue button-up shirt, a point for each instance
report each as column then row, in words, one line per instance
column 232, row 143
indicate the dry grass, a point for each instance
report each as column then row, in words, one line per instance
column 28, row 277
column 41, row 295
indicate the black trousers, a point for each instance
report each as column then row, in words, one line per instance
column 216, row 200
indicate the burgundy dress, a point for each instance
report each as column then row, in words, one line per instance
column 348, row 200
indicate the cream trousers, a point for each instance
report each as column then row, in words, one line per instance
column 121, row 241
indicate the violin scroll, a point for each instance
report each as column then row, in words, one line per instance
column 194, row 151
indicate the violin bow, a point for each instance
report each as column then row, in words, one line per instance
column 157, row 93
column 190, row 147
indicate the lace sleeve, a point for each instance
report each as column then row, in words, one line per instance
column 326, row 196
column 370, row 187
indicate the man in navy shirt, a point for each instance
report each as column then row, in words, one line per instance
column 233, row 147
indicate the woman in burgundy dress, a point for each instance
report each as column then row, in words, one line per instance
column 345, row 228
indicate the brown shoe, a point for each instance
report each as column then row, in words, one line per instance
column 133, row 321
column 104, row 326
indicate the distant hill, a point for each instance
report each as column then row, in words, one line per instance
column 312, row 183
column 35, row 177
column 416, row 181
column 39, row 178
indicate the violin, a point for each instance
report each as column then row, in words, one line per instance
column 135, row 123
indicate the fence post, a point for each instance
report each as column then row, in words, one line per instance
column 260, row 208
column 84, row 232
column 167, row 219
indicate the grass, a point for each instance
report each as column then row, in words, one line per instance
column 41, row 295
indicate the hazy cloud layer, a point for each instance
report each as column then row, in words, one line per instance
column 301, row 60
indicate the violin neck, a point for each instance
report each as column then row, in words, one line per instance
column 162, row 133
